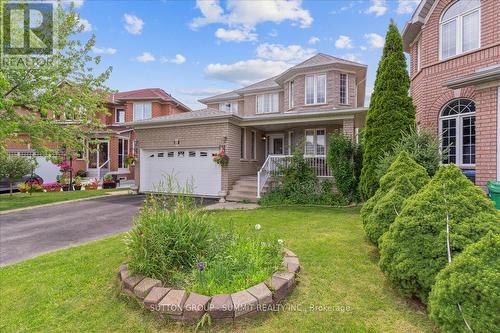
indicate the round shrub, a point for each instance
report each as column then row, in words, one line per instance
column 472, row 280
column 414, row 249
column 403, row 165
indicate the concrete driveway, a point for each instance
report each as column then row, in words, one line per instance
column 28, row 233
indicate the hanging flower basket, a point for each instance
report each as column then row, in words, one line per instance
column 221, row 158
column 129, row 160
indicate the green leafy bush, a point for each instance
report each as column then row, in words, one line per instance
column 404, row 178
column 423, row 146
column 472, row 280
column 391, row 110
column 341, row 159
column 414, row 249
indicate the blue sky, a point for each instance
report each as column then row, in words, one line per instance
column 194, row 49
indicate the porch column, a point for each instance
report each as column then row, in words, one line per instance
column 348, row 128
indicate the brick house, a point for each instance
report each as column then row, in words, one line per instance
column 258, row 126
column 116, row 141
column 454, row 46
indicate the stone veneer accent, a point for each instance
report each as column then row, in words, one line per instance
column 180, row 305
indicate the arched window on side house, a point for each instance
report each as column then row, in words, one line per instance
column 460, row 28
column 457, row 125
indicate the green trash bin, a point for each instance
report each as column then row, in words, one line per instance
column 494, row 192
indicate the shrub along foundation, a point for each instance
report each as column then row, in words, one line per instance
column 188, row 307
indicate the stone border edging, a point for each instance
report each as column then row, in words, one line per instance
column 106, row 194
column 178, row 304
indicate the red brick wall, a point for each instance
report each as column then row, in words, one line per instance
column 430, row 96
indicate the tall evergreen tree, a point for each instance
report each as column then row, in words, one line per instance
column 391, row 110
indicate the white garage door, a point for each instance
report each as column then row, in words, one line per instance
column 194, row 166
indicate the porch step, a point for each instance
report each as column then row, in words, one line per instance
column 245, row 188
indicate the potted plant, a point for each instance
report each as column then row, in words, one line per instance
column 108, row 182
column 64, row 183
column 221, row 158
column 52, row 187
column 77, row 183
column 129, row 160
column 93, row 185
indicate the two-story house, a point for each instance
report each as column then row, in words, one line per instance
column 454, row 46
column 116, row 141
column 256, row 126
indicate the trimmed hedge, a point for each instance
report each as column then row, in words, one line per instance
column 404, row 165
column 414, row 250
column 472, row 280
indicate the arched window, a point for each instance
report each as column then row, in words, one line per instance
column 458, row 132
column 460, row 28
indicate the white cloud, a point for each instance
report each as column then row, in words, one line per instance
column 313, row 40
column 363, row 48
column 246, row 71
column 250, row 13
column 352, row 57
column 202, row 91
column 145, row 57
column 273, row 33
column 77, row 3
column 133, row 24
column 104, row 50
column 375, row 40
column 343, row 42
column 278, row 52
column 85, row 24
column 378, row 7
column 235, row 35
column 178, row 59
column 407, row 6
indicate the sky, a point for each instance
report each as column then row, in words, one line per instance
column 195, row 49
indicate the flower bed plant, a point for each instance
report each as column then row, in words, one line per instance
column 30, row 187
column 93, row 185
column 52, row 187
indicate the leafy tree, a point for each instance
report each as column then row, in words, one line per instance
column 423, row 146
column 471, row 281
column 342, row 158
column 391, row 110
column 64, row 87
column 414, row 249
column 13, row 167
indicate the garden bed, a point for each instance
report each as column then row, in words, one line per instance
column 179, row 304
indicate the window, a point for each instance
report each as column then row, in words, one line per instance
column 343, row 89
column 203, row 154
column 458, row 132
column 170, row 154
column 242, row 143
column 253, row 145
column 142, row 111
column 417, row 55
column 122, row 152
column 229, row 107
column 161, row 154
column 180, row 154
column 120, row 116
column 267, row 103
column 291, row 93
column 315, row 89
column 460, row 28
column 290, row 143
column 315, row 142
column 192, row 154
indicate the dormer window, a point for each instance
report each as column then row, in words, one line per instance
column 315, row 89
column 120, row 116
column 460, row 28
column 229, row 107
column 142, row 111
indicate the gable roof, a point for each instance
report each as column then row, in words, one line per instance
column 146, row 94
column 318, row 60
column 414, row 25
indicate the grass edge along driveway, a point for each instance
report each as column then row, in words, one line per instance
column 341, row 288
column 23, row 200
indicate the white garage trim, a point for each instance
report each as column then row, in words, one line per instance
column 187, row 165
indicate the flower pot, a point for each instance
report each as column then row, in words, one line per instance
column 77, row 187
column 65, row 188
column 90, row 187
column 108, row 185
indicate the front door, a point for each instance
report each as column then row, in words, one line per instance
column 98, row 154
column 276, row 144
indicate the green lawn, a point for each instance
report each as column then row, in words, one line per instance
column 76, row 289
column 21, row 200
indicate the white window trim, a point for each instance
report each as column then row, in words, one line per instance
column 257, row 103
column 458, row 133
column 419, row 56
column 243, row 153
column 458, row 32
column 233, row 108
column 315, row 141
column 254, row 150
column 125, row 153
column 143, row 103
column 346, row 89
column 290, row 143
column 276, row 136
column 116, row 115
column 291, row 93
column 315, row 89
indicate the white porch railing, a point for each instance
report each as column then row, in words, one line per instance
column 273, row 162
column 103, row 169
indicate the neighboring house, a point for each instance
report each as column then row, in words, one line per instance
column 455, row 77
column 116, row 141
column 257, row 126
